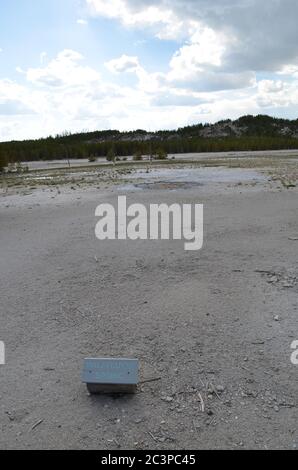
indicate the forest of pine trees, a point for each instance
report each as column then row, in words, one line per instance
column 257, row 133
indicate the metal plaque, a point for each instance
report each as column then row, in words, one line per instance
column 110, row 371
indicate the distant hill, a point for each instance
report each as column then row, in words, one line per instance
column 246, row 133
column 252, row 126
column 260, row 125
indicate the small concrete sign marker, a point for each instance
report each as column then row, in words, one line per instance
column 111, row 375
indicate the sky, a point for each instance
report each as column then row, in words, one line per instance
column 75, row 65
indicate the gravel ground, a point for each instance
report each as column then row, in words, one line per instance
column 213, row 327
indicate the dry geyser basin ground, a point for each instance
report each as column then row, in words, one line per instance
column 214, row 327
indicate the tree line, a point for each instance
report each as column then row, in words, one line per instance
column 45, row 150
column 257, row 133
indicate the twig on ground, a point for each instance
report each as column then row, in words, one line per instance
column 153, row 437
column 37, row 424
column 154, row 379
column 214, row 390
column 202, row 402
column 263, row 271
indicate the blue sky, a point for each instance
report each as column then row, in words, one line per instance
column 97, row 64
column 30, row 27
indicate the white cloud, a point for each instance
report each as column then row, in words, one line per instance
column 65, row 69
column 14, row 108
column 65, row 93
column 124, row 63
column 209, row 81
column 205, row 48
column 197, row 65
column 82, row 22
column 265, row 33
column 289, row 69
column 15, row 99
column 277, row 93
column 174, row 98
column 120, row 9
column 221, row 48
column 271, row 86
column 147, row 82
column 155, row 15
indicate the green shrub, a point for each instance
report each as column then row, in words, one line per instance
column 161, row 154
column 111, row 156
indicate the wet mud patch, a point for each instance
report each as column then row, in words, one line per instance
column 168, row 185
column 281, row 279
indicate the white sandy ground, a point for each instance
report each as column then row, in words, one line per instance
column 204, row 322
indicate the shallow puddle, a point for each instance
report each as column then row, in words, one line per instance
column 187, row 178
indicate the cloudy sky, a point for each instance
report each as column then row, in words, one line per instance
column 98, row 64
